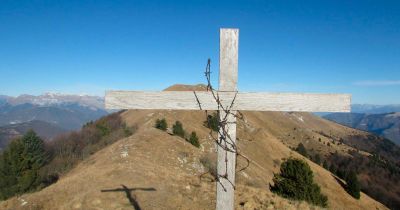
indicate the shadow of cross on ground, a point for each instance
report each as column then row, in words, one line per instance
column 128, row 191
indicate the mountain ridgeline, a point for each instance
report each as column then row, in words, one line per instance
column 386, row 125
column 66, row 111
column 48, row 114
column 375, row 109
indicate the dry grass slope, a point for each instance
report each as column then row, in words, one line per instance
column 154, row 170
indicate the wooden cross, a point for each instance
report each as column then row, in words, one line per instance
column 252, row 101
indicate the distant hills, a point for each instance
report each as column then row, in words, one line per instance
column 386, row 125
column 374, row 109
column 383, row 120
column 48, row 114
column 66, row 111
column 69, row 116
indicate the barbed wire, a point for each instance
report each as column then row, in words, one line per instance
column 223, row 139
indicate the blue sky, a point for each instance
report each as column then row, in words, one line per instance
column 290, row 46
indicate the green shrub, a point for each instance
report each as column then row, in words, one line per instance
column 212, row 122
column 194, row 140
column 332, row 169
column 325, row 165
column 161, row 124
column 317, row 159
column 20, row 163
column 302, row 150
column 177, row 129
column 295, row 181
column 353, row 186
column 102, row 127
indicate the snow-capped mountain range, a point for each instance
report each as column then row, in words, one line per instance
column 49, row 99
column 67, row 111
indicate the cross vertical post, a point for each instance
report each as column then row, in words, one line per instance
column 228, row 74
column 251, row 101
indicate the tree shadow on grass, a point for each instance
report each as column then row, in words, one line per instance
column 128, row 192
column 340, row 182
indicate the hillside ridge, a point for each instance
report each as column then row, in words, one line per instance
column 156, row 170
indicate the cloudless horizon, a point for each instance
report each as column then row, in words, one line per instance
column 284, row 46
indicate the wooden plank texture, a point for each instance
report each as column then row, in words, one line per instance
column 251, row 101
column 228, row 75
column 225, row 199
column 228, row 59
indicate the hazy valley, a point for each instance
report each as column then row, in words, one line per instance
column 47, row 114
column 386, row 125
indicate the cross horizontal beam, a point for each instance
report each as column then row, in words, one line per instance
column 250, row 101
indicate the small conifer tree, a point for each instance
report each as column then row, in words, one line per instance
column 353, row 185
column 295, row 181
column 34, row 152
column 161, row 124
column 317, row 159
column 332, row 169
column 177, row 129
column 20, row 163
column 302, row 150
column 325, row 165
column 194, row 140
column 212, row 122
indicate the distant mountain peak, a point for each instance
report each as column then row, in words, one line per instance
column 55, row 98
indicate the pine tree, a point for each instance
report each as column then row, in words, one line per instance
column 177, row 129
column 34, row 151
column 325, row 165
column 194, row 140
column 8, row 174
column 212, row 122
column 302, row 150
column 317, row 159
column 161, row 124
column 19, row 165
column 332, row 169
column 34, row 156
column 353, row 185
column 296, row 181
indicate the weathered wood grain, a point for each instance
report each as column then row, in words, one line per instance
column 226, row 163
column 228, row 75
column 252, row 101
column 228, row 59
